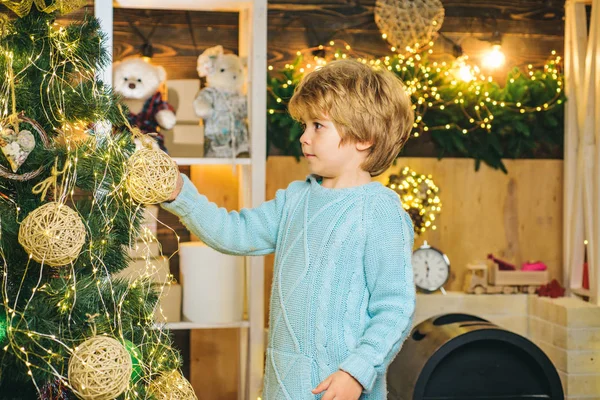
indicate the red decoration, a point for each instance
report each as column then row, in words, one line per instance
column 585, row 281
column 552, row 290
column 503, row 265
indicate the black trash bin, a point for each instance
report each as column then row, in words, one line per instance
column 461, row 356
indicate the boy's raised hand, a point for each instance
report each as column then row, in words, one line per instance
column 178, row 187
column 339, row 386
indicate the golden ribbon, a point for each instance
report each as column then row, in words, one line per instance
column 5, row 25
column 135, row 131
column 13, row 119
column 43, row 186
column 23, row 7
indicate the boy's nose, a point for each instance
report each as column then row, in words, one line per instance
column 307, row 133
column 303, row 137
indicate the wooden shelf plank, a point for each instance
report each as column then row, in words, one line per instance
column 199, row 5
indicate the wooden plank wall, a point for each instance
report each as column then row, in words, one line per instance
column 530, row 30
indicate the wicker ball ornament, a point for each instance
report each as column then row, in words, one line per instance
column 100, row 369
column 151, row 176
column 408, row 22
column 53, row 234
column 171, row 386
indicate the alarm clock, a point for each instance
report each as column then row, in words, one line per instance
column 431, row 268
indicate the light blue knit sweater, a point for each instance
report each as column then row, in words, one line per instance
column 342, row 295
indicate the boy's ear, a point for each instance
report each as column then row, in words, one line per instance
column 362, row 146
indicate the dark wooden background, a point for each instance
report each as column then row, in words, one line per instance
column 530, row 30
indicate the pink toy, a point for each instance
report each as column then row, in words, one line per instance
column 534, row 266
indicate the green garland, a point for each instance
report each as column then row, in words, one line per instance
column 479, row 119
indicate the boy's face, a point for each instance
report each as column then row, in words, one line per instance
column 326, row 156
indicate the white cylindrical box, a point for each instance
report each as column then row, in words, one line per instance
column 213, row 284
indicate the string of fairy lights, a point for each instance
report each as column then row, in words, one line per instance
column 29, row 345
column 433, row 86
column 39, row 356
column 419, row 197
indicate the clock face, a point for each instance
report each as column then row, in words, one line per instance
column 431, row 268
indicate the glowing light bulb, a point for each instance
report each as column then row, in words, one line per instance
column 465, row 74
column 494, row 58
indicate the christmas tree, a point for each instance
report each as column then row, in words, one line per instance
column 69, row 327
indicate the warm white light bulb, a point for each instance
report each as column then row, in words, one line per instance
column 465, row 74
column 494, row 58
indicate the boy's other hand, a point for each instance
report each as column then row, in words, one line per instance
column 339, row 386
column 178, row 187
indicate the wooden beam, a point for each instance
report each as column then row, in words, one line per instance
column 363, row 21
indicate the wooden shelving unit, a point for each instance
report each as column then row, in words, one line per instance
column 252, row 46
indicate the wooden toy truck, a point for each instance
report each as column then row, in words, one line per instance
column 486, row 277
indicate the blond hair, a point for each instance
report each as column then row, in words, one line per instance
column 366, row 105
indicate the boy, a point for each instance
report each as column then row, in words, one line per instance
column 343, row 296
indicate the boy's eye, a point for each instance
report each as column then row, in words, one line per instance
column 318, row 126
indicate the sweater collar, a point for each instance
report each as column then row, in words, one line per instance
column 315, row 182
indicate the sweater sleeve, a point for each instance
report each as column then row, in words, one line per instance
column 389, row 278
column 248, row 232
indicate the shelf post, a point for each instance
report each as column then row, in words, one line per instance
column 253, row 46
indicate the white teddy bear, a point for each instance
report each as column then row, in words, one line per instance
column 138, row 81
column 222, row 105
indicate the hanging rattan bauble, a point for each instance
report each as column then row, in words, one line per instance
column 171, row 386
column 53, row 234
column 151, row 176
column 100, row 369
column 23, row 7
column 408, row 22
